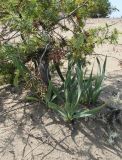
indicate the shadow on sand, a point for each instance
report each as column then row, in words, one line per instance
column 41, row 134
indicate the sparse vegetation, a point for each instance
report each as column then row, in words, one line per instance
column 33, row 24
column 54, row 59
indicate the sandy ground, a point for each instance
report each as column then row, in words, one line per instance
column 29, row 132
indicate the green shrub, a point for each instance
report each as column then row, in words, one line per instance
column 101, row 8
column 34, row 23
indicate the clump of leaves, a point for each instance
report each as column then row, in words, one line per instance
column 76, row 93
column 91, row 86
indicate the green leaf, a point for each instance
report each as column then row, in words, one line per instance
column 99, row 65
column 57, row 108
column 88, row 113
column 104, row 66
column 16, row 78
column 30, row 98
